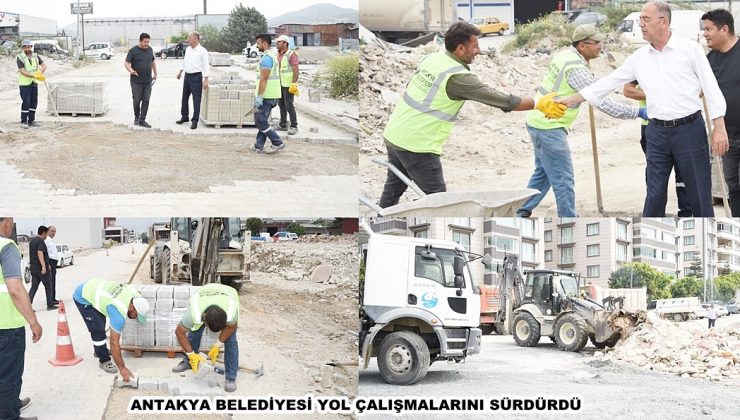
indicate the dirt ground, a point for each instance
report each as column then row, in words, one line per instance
column 490, row 149
column 293, row 328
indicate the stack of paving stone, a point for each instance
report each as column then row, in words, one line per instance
column 168, row 303
column 226, row 101
column 78, row 97
column 219, row 59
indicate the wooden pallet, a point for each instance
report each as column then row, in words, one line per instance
column 219, row 124
column 76, row 114
column 139, row 351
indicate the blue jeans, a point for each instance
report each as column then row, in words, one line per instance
column 12, row 350
column 29, row 101
column 687, row 148
column 552, row 167
column 231, row 351
column 265, row 131
column 95, row 322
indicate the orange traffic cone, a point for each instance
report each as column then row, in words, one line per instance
column 65, row 352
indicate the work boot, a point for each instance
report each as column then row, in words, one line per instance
column 281, row 128
column 144, row 124
column 25, row 402
column 33, row 124
column 28, row 418
column 182, row 120
column 24, row 126
column 292, row 131
column 260, row 151
column 136, row 121
column 181, row 367
column 109, row 367
column 230, row 385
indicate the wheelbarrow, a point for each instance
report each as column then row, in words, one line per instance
column 495, row 203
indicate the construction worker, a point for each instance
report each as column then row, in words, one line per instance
column 288, row 64
column 423, row 120
column 724, row 58
column 632, row 90
column 31, row 68
column 217, row 307
column 673, row 72
column 15, row 313
column 267, row 95
column 567, row 74
column 99, row 300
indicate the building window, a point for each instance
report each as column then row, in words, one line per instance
column 668, row 238
column 689, row 256
column 528, row 227
column 592, row 229
column 461, row 221
column 645, row 252
column 548, row 236
column 548, row 255
column 547, row 219
column 689, row 240
column 622, row 231
column 566, row 255
column 503, row 243
column 421, row 233
column 621, row 252
column 528, row 251
column 688, row 224
column 507, row 221
column 566, row 235
column 592, row 250
column 462, row 238
column 593, row 271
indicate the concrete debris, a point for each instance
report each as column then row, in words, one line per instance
column 133, row 383
column 686, row 349
column 321, row 274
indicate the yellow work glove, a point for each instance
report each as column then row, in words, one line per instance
column 293, row 89
column 549, row 107
column 39, row 76
column 213, row 353
column 195, row 359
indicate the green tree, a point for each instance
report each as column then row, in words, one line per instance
column 254, row 224
column 296, row 228
column 696, row 269
column 724, row 270
column 688, row 286
column 211, row 38
column 725, row 286
column 244, row 24
column 642, row 275
column 179, row 38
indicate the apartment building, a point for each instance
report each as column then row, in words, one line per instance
column 655, row 241
column 521, row 237
column 593, row 247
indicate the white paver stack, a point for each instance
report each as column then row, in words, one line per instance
column 168, row 303
column 226, row 101
column 78, row 97
column 219, row 59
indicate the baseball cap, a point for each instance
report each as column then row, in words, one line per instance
column 587, row 31
column 283, row 38
column 26, row 42
column 142, row 308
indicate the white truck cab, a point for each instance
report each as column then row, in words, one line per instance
column 684, row 24
column 420, row 304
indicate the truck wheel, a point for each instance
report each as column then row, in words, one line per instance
column 498, row 329
column 155, row 267
column 571, row 333
column 526, row 330
column 229, row 281
column 678, row 317
column 403, row 358
column 486, row 329
column 104, row 56
column 608, row 343
column 165, row 266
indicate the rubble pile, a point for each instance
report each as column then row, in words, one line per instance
column 685, row 349
column 385, row 69
column 298, row 260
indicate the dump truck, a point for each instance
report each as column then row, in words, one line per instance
column 403, row 20
column 550, row 303
column 201, row 251
column 680, row 309
column 419, row 303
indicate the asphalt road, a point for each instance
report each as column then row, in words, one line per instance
column 605, row 391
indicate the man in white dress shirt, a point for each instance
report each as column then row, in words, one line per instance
column 53, row 259
column 672, row 72
column 196, row 68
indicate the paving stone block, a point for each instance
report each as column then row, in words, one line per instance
column 148, row 383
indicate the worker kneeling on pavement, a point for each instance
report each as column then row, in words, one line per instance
column 217, row 307
column 97, row 300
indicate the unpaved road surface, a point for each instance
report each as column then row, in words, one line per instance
column 606, row 391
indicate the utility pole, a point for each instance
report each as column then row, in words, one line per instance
column 205, row 7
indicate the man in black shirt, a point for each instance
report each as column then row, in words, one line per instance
column 143, row 70
column 39, row 264
column 724, row 58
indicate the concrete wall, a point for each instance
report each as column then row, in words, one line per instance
column 77, row 232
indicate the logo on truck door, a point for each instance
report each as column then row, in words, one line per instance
column 429, row 300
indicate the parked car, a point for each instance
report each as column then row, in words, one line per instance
column 101, row 50
column 731, row 306
column 65, row 256
column 173, row 51
column 45, row 48
column 593, row 18
column 284, row 236
column 718, row 306
column 651, row 305
column 250, row 52
column 490, row 25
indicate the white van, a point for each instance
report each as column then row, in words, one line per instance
column 684, row 23
column 102, row 50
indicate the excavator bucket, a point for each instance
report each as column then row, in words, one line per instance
column 610, row 327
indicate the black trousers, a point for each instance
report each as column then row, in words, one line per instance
column 141, row 93
column 425, row 169
column 36, row 278
column 731, row 168
column 684, row 207
column 287, row 109
column 95, row 322
column 53, row 274
column 192, row 84
column 29, row 101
